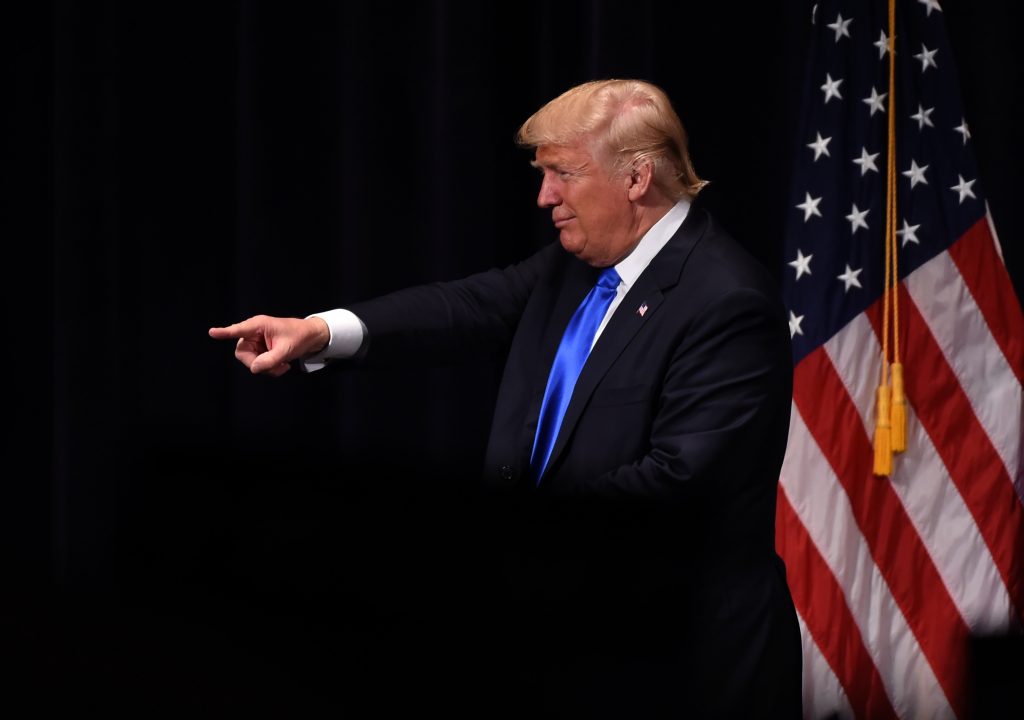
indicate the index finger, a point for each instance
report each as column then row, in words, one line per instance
column 246, row 328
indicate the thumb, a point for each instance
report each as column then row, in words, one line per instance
column 270, row 360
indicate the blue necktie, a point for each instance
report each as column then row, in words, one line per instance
column 572, row 353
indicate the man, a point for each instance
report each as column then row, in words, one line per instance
column 643, row 410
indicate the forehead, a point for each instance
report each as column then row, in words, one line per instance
column 561, row 156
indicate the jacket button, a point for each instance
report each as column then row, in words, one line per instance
column 506, row 472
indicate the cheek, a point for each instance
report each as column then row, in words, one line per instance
column 599, row 221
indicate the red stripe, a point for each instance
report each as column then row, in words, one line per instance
column 986, row 277
column 895, row 546
column 819, row 600
column 960, row 440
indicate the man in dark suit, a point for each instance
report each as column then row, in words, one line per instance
column 642, row 417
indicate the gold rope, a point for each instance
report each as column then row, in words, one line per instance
column 885, row 412
column 899, row 399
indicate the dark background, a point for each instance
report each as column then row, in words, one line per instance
column 177, row 534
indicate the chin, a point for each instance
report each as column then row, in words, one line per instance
column 571, row 245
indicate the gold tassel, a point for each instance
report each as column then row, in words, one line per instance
column 899, row 410
column 883, row 438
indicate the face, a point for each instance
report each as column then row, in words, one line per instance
column 591, row 209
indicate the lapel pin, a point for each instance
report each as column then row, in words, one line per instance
column 641, row 310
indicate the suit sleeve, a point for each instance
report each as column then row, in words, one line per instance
column 445, row 321
column 722, row 415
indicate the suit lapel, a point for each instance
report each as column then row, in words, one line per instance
column 637, row 308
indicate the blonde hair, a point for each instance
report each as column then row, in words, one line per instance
column 626, row 122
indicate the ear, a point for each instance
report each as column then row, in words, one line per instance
column 639, row 180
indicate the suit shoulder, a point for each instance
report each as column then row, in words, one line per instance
column 723, row 263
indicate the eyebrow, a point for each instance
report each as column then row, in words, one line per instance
column 558, row 166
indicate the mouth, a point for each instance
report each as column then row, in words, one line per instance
column 561, row 222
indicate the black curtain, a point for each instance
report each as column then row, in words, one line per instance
column 172, row 526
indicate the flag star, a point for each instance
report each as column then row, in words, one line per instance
column 963, row 130
column 931, row 5
column 875, row 101
column 794, row 324
column 964, row 188
column 916, row 174
column 849, row 278
column 802, row 264
column 927, row 57
column 810, row 206
column 882, row 43
column 841, row 27
column 820, row 146
column 908, row 234
column 923, row 117
column 866, row 161
column 856, row 218
column 831, row 88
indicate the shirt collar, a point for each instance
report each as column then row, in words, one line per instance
column 630, row 267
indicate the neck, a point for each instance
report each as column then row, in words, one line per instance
column 648, row 210
column 650, row 214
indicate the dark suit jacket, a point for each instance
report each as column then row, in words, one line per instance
column 646, row 560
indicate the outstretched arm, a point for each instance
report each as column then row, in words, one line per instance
column 424, row 323
column 267, row 345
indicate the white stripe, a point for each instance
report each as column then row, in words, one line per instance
column 823, row 507
column 1018, row 479
column 823, row 694
column 926, row 491
column 992, row 229
column 978, row 362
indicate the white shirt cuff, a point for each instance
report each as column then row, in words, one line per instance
column 347, row 334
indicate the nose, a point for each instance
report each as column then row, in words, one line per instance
column 548, row 195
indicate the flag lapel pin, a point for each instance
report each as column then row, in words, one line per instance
column 641, row 310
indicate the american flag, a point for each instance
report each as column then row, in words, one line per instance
column 892, row 575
